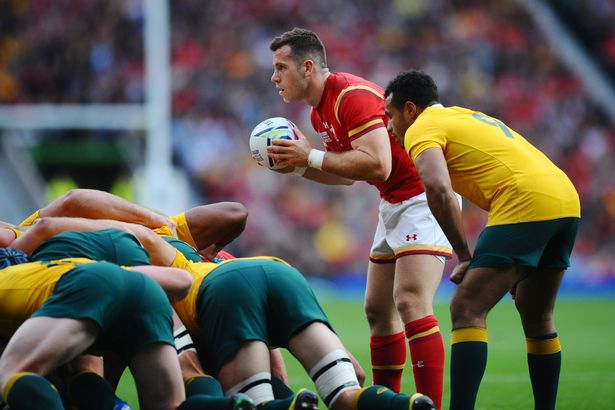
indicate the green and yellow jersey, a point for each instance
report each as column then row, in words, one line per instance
column 25, row 287
column 493, row 166
column 186, row 308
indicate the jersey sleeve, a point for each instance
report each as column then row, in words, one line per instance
column 30, row 219
column 359, row 110
column 423, row 135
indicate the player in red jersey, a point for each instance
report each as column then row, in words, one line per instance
column 407, row 256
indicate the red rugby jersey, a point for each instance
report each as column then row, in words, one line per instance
column 349, row 108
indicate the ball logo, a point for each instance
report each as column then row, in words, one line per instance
column 264, row 133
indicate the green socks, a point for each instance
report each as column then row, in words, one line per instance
column 29, row 391
column 468, row 363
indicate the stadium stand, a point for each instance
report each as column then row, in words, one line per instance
column 488, row 55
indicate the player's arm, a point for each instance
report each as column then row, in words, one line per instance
column 175, row 282
column 214, row 226
column 443, row 204
column 45, row 228
column 160, row 252
column 369, row 160
column 6, row 237
column 94, row 204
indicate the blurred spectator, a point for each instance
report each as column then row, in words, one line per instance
column 488, row 55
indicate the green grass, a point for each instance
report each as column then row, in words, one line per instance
column 586, row 328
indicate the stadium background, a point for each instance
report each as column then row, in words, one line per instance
column 546, row 68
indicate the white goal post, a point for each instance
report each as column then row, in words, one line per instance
column 159, row 186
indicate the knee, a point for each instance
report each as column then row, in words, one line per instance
column 411, row 305
column 374, row 312
column 464, row 314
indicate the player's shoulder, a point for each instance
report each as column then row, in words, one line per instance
column 346, row 82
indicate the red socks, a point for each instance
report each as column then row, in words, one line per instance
column 427, row 355
column 388, row 360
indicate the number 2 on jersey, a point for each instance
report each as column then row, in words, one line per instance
column 493, row 122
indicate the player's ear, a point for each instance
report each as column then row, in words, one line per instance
column 308, row 67
column 411, row 109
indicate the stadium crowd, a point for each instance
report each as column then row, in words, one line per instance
column 487, row 55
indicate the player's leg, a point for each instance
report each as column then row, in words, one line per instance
column 249, row 372
column 324, row 357
column 416, row 281
column 535, row 300
column 387, row 340
column 158, row 377
column 38, row 346
column 479, row 291
column 87, row 388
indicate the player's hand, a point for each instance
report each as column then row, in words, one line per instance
column 459, row 271
column 172, row 226
column 285, row 170
column 290, row 153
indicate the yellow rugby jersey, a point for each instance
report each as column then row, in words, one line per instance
column 25, row 287
column 30, row 219
column 186, row 308
column 493, row 166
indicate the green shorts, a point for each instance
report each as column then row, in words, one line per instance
column 111, row 245
column 545, row 244
column 131, row 309
column 246, row 300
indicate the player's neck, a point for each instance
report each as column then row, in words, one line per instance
column 318, row 88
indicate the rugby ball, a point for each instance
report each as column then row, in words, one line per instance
column 267, row 131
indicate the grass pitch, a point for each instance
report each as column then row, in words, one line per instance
column 586, row 328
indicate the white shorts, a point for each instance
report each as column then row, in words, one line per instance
column 408, row 228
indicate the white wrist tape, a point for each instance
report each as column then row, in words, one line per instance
column 183, row 341
column 316, row 158
column 300, row 171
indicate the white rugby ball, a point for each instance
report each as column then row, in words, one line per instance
column 267, row 131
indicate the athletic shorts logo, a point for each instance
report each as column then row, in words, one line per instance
column 413, row 237
column 381, row 390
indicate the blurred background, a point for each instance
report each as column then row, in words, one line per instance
column 155, row 102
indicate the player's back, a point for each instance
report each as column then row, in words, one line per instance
column 494, row 167
column 111, row 245
column 26, row 286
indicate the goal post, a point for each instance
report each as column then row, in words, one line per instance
column 159, row 185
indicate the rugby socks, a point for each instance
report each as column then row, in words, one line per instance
column 280, row 389
column 468, row 362
column 388, row 359
column 380, row 397
column 29, row 391
column 205, row 392
column 427, row 356
column 544, row 359
column 203, row 384
column 88, row 390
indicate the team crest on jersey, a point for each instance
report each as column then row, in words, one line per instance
column 325, row 137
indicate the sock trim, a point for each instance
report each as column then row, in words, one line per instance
column 543, row 346
column 380, row 341
column 11, row 382
column 355, row 398
column 190, row 379
column 428, row 332
column 469, row 334
column 388, row 367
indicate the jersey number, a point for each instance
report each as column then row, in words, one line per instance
column 493, row 122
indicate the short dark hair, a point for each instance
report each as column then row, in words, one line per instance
column 304, row 44
column 414, row 86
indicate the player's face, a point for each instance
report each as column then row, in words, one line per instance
column 398, row 122
column 287, row 76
